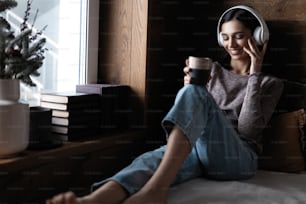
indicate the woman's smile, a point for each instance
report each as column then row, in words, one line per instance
column 236, row 51
column 235, row 37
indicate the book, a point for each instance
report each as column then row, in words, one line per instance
column 114, row 103
column 75, row 131
column 69, row 106
column 88, row 120
column 83, row 112
column 74, row 137
column 68, row 97
column 101, row 89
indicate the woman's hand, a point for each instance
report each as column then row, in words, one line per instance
column 256, row 55
column 187, row 77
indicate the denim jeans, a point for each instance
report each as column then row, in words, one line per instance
column 217, row 150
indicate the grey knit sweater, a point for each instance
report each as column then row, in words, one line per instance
column 247, row 101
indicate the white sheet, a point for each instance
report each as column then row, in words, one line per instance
column 265, row 188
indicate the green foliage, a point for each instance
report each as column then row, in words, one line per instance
column 7, row 4
column 21, row 55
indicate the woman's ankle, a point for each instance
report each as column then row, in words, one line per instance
column 89, row 199
column 148, row 196
column 111, row 192
column 161, row 192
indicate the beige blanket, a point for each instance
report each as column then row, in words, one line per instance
column 265, row 188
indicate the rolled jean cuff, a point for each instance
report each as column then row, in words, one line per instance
column 126, row 186
column 134, row 176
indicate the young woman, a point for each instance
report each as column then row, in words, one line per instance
column 213, row 131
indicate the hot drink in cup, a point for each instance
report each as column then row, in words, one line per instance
column 200, row 68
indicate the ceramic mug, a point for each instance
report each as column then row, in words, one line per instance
column 200, row 68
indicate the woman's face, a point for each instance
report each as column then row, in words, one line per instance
column 235, row 36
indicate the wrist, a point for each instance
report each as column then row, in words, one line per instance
column 255, row 73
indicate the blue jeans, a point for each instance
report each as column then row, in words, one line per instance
column 217, row 150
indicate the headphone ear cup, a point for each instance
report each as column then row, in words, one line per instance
column 258, row 35
column 220, row 39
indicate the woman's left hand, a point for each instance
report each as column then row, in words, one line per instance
column 256, row 55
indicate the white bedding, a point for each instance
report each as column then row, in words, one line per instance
column 265, row 188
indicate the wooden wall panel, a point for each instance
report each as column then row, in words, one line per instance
column 176, row 29
column 123, row 42
column 283, row 10
column 118, row 44
column 122, row 58
column 139, row 47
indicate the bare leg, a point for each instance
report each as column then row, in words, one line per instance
column 156, row 189
column 109, row 193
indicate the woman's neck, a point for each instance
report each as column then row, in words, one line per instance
column 240, row 67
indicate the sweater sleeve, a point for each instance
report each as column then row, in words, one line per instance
column 262, row 95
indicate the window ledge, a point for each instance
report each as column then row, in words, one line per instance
column 30, row 158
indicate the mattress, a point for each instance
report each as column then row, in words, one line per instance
column 266, row 187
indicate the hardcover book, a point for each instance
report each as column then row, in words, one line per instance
column 100, row 89
column 69, row 133
column 74, row 129
column 76, row 120
column 68, row 97
column 69, row 106
column 114, row 103
column 84, row 112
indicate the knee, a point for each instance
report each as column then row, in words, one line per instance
column 193, row 91
column 191, row 88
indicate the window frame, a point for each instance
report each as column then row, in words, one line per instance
column 92, row 46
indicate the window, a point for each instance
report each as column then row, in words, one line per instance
column 72, row 42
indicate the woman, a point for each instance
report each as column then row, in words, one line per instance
column 213, row 131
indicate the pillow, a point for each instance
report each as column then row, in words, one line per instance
column 304, row 138
column 282, row 143
column 293, row 97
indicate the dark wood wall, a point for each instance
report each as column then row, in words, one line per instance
column 176, row 30
column 122, row 50
column 156, row 36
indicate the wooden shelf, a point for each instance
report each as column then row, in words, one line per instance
column 36, row 175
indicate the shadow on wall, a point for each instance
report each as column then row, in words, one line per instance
column 285, row 55
column 285, row 59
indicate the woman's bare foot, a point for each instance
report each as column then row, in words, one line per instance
column 70, row 198
column 109, row 193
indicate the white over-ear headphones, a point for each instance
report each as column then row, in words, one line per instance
column 261, row 33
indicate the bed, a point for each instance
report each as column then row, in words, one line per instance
column 281, row 178
column 267, row 187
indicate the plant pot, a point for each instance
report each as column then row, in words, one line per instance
column 14, row 119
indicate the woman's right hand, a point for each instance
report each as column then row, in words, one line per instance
column 187, row 77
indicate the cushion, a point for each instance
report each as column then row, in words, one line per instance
column 304, row 139
column 282, row 143
column 293, row 97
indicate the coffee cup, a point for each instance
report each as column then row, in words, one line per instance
column 200, row 68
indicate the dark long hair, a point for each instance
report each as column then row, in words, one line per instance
column 244, row 16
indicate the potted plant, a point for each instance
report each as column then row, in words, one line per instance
column 21, row 55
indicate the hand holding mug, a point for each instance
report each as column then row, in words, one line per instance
column 197, row 70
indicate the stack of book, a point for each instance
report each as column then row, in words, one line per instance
column 114, row 104
column 74, row 115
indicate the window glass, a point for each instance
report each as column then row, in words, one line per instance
column 66, row 34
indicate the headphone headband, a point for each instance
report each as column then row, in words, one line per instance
column 264, row 31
